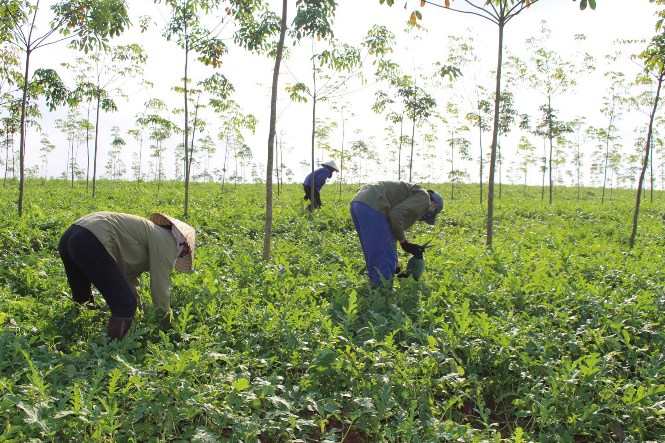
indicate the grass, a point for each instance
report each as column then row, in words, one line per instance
column 555, row 335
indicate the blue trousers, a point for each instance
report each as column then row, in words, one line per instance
column 88, row 263
column 376, row 240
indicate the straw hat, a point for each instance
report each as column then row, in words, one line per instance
column 184, row 263
column 331, row 164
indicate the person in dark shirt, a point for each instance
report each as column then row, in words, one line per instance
column 312, row 188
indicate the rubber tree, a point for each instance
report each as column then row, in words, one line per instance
column 462, row 54
column 408, row 100
column 527, row 152
column 99, row 77
column 550, row 128
column 46, row 149
column 500, row 13
column 257, row 27
column 578, row 156
column 332, row 70
column 186, row 28
column 551, row 76
column 653, row 58
column 159, row 128
column 85, row 25
column 233, row 124
column 459, row 145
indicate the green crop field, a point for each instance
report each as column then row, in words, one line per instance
column 555, row 335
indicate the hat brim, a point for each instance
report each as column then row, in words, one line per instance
column 429, row 217
column 184, row 263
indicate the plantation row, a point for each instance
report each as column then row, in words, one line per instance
column 556, row 335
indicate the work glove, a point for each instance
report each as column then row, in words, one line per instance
column 413, row 249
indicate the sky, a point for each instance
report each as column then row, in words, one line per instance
column 252, row 75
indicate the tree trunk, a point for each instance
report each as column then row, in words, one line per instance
column 551, row 137
column 341, row 157
column 186, row 129
column 495, row 138
column 94, row 157
column 452, row 166
column 87, row 148
column 633, row 234
column 399, row 150
column 413, row 136
column 311, row 193
column 311, row 188
column 480, row 142
column 24, row 102
column 267, row 238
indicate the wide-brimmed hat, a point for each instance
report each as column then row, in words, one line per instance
column 184, row 263
column 331, row 164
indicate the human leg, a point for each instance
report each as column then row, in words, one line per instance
column 376, row 240
column 317, row 199
column 89, row 262
column 79, row 283
column 308, row 196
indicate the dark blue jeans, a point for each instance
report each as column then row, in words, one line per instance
column 88, row 263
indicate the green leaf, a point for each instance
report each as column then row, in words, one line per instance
column 592, row 4
column 240, row 384
column 583, row 4
column 325, row 358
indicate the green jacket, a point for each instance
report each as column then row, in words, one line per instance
column 402, row 203
column 137, row 245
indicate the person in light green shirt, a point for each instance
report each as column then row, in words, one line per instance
column 110, row 250
column 382, row 212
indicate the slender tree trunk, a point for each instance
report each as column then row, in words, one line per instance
column 87, row 149
column 7, row 154
column 633, row 234
column 607, row 158
column 480, row 142
column 24, row 106
column 138, row 176
column 72, row 159
column 190, row 155
column 399, row 150
column 551, row 137
column 341, row 157
column 542, row 185
column 94, row 157
column 452, row 166
column 495, row 138
column 651, row 171
column 413, row 136
column 267, row 238
column 312, row 201
column 186, row 129
column 311, row 188
column 226, row 158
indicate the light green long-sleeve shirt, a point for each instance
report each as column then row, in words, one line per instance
column 402, row 203
column 137, row 245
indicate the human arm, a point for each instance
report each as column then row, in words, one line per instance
column 412, row 248
column 406, row 212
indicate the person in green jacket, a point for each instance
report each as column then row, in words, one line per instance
column 381, row 213
column 110, row 250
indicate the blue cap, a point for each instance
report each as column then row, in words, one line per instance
column 429, row 217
